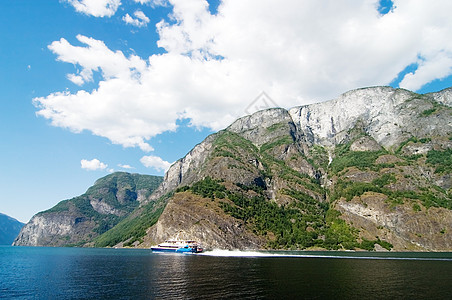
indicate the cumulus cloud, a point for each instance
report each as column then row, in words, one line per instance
column 125, row 167
column 96, row 8
column 153, row 3
column 438, row 66
column 93, row 165
column 298, row 52
column 122, row 118
column 141, row 19
column 155, row 162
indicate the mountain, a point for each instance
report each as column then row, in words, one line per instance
column 369, row 170
column 9, row 229
column 80, row 220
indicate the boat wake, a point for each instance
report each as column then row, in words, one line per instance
column 238, row 253
column 351, row 255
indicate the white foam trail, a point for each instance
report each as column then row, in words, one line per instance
column 238, row 253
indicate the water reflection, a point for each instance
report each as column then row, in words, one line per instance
column 56, row 273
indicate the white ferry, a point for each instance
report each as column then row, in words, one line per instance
column 179, row 246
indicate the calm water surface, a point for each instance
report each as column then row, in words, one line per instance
column 75, row 273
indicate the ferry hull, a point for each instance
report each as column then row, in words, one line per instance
column 178, row 246
column 179, row 250
column 162, row 250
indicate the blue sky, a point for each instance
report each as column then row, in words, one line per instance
column 95, row 86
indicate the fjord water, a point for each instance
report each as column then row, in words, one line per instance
column 80, row 273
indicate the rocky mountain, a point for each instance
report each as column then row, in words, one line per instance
column 80, row 220
column 368, row 170
column 9, row 229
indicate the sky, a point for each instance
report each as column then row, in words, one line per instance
column 90, row 87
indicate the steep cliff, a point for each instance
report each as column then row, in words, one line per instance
column 80, row 220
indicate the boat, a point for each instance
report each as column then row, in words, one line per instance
column 178, row 246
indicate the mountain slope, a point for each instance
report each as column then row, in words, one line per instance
column 79, row 220
column 370, row 169
column 9, row 229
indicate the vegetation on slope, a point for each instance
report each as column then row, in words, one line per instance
column 441, row 160
column 415, row 189
column 288, row 191
column 133, row 228
column 303, row 220
column 118, row 190
column 301, row 224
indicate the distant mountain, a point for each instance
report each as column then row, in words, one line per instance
column 78, row 221
column 9, row 229
column 368, row 170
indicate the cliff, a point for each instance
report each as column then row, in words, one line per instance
column 80, row 220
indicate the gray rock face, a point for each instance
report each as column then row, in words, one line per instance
column 184, row 170
column 365, row 143
column 203, row 221
column 55, row 229
column 408, row 231
column 388, row 115
column 255, row 127
column 327, row 123
column 444, row 96
column 104, row 208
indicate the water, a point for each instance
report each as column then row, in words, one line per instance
column 74, row 273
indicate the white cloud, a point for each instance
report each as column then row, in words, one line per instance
column 96, row 8
column 141, row 19
column 155, row 162
column 76, row 79
column 438, row 66
column 153, row 3
column 297, row 52
column 119, row 116
column 125, row 167
column 93, row 165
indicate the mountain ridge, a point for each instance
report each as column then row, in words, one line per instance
column 79, row 220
